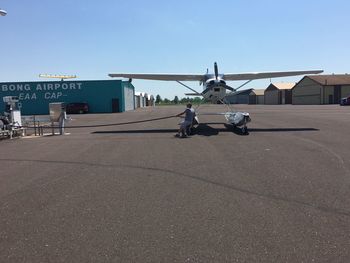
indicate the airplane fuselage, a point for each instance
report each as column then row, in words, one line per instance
column 214, row 89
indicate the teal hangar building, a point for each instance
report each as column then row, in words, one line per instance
column 102, row 96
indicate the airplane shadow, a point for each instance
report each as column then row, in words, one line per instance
column 137, row 131
column 238, row 131
column 204, row 129
column 201, row 129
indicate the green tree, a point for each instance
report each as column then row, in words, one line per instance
column 184, row 100
column 197, row 100
column 166, row 100
column 158, row 99
column 176, row 100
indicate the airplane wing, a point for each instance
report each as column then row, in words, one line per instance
column 166, row 77
column 267, row 75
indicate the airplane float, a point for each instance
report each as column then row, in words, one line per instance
column 215, row 87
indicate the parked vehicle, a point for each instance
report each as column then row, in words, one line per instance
column 77, row 107
column 345, row 101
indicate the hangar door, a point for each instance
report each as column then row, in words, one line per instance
column 272, row 97
column 337, row 94
column 312, row 99
column 252, row 99
column 115, row 105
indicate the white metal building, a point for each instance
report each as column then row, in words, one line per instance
column 140, row 99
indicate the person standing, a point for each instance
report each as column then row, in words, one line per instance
column 189, row 116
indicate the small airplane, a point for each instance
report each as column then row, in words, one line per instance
column 3, row 12
column 215, row 87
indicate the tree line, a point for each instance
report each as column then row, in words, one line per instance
column 176, row 100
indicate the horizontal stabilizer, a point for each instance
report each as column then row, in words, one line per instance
column 193, row 94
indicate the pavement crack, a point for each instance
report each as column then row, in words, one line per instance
column 337, row 156
column 326, row 209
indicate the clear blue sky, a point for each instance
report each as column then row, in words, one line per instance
column 94, row 38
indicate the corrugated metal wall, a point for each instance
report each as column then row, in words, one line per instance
column 272, row 97
column 36, row 96
column 345, row 91
column 237, row 99
column 260, row 99
column 129, row 98
column 256, row 99
column 285, row 96
column 307, row 92
column 252, row 99
column 328, row 95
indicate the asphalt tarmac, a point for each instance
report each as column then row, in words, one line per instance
column 135, row 193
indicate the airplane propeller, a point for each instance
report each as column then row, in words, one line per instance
column 227, row 87
column 216, row 70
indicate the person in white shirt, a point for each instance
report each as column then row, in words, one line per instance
column 189, row 116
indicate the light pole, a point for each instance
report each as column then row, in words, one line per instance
column 3, row 12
